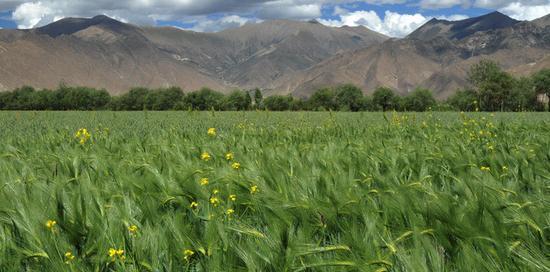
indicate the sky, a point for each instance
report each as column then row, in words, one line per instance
column 395, row 18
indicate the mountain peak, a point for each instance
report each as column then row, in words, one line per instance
column 68, row 26
column 457, row 30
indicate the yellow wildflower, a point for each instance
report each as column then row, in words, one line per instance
column 82, row 135
column 229, row 156
column 205, row 156
column 230, row 211
column 69, row 257
column 215, row 191
column 116, row 253
column 214, row 201
column 485, row 168
column 504, row 168
column 212, row 132
column 187, row 254
column 133, row 229
column 204, row 181
column 50, row 224
column 232, row 197
column 254, row 189
column 194, row 205
column 236, row 165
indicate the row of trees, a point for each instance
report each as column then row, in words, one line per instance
column 492, row 89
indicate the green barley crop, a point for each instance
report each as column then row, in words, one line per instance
column 276, row 191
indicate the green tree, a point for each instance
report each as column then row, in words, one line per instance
column 278, row 102
column 237, row 101
column 258, row 97
column 419, row 100
column 348, row 98
column 464, row 100
column 323, row 99
column 385, row 99
column 204, row 99
column 492, row 85
column 541, row 82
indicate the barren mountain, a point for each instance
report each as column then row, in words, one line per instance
column 104, row 53
column 437, row 56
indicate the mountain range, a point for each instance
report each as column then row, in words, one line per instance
column 279, row 56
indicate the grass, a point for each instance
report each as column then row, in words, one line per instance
column 313, row 192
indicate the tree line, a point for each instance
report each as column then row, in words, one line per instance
column 491, row 89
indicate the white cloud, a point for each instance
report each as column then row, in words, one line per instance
column 28, row 15
column 226, row 22
column 519, row 11
column 289, row 9
column 454, row 17
column 437, row 4
column 393, row 24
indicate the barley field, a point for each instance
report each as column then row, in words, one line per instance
column 265, row 191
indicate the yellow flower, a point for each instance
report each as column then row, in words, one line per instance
column 133, row 229
column 69, row 257
column 116, row 253
column 204, row 181
column 254, row 189
column 229, row 156
column 82, row 135
column 112, row 252
column 50, row 224
column 194, row 205
column 212, row 132
column 187, row 254
column 232, row 197
column 215, row 191
column 485, row 168
column 504, row 168
column 230, row 211
column 214, row 201
column 205, row 156
column 236, row 165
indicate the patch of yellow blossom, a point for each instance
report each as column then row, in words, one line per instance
column 50, row 224
column 133, row 229
column 229, row 156
column 187, row 254
column 205, row 156
column 194, row 205
column 254, row 189
column 232, row 197
column 484, row 168
column 69, row 257
column 214, row 201
column 230, row 211
column 82, row 135
column 115, row 254
column 212, row 132
column 203, row 181
column 236, row 165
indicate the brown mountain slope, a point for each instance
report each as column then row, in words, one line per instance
column 439, row 63
column 256, row 55
column 102, row 53
column 105, row 53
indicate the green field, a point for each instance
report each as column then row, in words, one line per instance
column 298, row 191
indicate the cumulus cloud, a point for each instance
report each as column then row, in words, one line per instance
column 34, row 13
column 232, row 21
column 519, row 11
column 393, row 24
column 438, row 4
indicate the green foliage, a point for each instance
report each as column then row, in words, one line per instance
column 385, row 99
column 419, row 100
column 237, row 101
column 348, row 98
column 323, row 99
column 205, row 99
column 323, row 192
column 278, row 102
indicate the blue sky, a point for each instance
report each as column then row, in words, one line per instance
column 395, row 18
